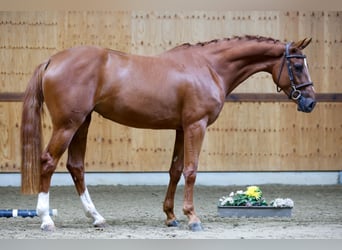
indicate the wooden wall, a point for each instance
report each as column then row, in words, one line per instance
column 248, row 136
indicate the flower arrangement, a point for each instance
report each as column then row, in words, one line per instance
column 282, row 202
column 252, row 197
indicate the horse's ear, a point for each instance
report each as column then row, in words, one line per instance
column 302, row 43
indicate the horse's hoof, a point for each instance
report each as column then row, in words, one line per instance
column 100, row 222
column 173, row 223
column 101, row 225
column 48, row 227
column 196, row 227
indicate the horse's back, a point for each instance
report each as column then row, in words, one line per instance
column 76, row 58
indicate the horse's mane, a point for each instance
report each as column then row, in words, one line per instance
column 245, row 38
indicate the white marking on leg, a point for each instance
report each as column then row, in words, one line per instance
column 43, row 212
column 90, row 210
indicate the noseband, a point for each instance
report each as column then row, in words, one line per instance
column 295, row 92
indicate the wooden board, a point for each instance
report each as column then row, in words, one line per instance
column 248, row 136
column 28, row 38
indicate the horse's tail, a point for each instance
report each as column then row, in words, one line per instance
column 31, row 133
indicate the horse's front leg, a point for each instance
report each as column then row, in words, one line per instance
column 193, row 138
column 175, row 173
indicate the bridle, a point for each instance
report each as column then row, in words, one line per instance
column 295, row 92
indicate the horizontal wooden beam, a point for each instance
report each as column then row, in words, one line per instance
column 271, row 97
column 234, row 97
column 11, row 97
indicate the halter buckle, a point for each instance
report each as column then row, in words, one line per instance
column 295, row 94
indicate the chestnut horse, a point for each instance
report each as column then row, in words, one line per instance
column 183, row 89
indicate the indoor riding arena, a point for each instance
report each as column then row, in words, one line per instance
column 259, row 138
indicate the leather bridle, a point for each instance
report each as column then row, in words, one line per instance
column 295, row 88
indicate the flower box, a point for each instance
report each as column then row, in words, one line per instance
column 254, row 211
column 250, row 203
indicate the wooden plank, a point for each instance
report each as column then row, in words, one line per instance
column 247, row 136
column 11, row 97
column 274, row 136
column 258, row 130
column 234, row 97
column 268, row 97
column 31, row 37
column 10, row 137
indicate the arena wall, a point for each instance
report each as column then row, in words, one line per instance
column 253, row 133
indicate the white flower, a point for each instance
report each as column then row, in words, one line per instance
column 240, row 192
column 224, row 200
column 231, row 194
column 230, row 200
column 283, row 202
column 289, row 202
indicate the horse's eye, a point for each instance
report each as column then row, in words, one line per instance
column 298, row 67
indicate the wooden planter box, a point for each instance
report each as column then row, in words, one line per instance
column 264, row 211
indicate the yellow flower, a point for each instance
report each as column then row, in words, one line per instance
column 254, row 191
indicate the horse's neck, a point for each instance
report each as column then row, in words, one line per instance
column 237, row 63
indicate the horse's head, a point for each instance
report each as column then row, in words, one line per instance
column 295, row 81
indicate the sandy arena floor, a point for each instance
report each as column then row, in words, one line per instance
column 135, row 212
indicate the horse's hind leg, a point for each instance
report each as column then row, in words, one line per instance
column 175, row 173
column 58, row 143
column 75, row 165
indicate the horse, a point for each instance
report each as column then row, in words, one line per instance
column 181, row 89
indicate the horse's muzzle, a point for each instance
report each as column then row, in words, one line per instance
column 306, row 104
